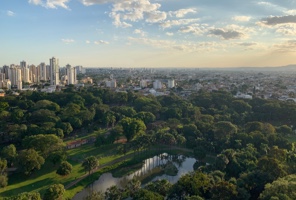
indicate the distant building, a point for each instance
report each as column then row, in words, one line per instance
column 2, row 93
column 42, row 72
column 157, row 85
column 71, row 75
column 111, row 84
column 54, row 71
column 171, row 83
column 143, row 84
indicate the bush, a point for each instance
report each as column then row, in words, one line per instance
column 64, row 169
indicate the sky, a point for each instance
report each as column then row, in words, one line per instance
column 149, row 33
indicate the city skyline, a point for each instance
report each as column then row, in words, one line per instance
column 149, row 33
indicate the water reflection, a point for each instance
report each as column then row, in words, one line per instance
column 106, row 180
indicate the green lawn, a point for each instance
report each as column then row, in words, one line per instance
column 46, row 176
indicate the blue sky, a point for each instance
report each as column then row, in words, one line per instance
column 149, row 33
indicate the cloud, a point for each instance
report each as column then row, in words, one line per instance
column 286, row 46
column 10, row 13
column 226, row 34
column 241, row 18
column 173, row 45
column 156, row 16
column 169, row 33
column 93, row 2
column 50, row 3
column 101, row 42
column 87, row 42
column 247, row 44
column 134, row 11
column 286, row 29
column 196, row 29
column 117, row 21
column 139, row 32
column 182, row 12
column 179, row 22
column 271, row 21
column 68, row 41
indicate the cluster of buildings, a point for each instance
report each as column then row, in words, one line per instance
column 16, row 76
column 244, row 83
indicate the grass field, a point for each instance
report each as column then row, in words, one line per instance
column 46, row 176
column 107, row 155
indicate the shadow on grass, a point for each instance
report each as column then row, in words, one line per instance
column 34, row 186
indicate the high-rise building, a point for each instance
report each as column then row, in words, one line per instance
column 71, row 74
column 157, row 84
column 5, row 71
column 171, row 83
column 42, row 72
column 33, row 74
column 15, row 76
column 54, row 71
column 23, row 64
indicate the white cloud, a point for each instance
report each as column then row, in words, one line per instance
column 286, row 46
column 68, row 41
column 51, row 3
column 87, row 42
column 196, row 29
column 173, row 45
column 117, row 20
column 101, row 42
column 139, row 32
column 169, row 33
column 179, row 22
column 156, row 16
column 10, row 13
column 182, row 12
column 241, row 18
column 126, row 11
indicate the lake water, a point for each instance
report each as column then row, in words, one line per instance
column 106, row 180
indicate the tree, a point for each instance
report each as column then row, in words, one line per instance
column 54, row 192
column 29, row 160
column 90, row 163
column 143, row 194
column 223, row 190
column 3, row 166
column 161, row 187
column 223, row 130
column 45, row 144
column 194, row 183
column 27, row 196
column 200, row 153
column 132, row 187
column 3, row 106
column 3, row 181
column 283, row 188
column 94, row 196
column 114, row 193
column 57, row 156
column 64, row 169
column 131, row 127
column 146, row 117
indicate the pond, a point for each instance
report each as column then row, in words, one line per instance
column 180, row 163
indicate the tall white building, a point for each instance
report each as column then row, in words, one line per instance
column 15, row 76
column 71, row 74
column 54, row 71
column 157, row 85
column 143, row 83
column 25, row 74
column 171, row 83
